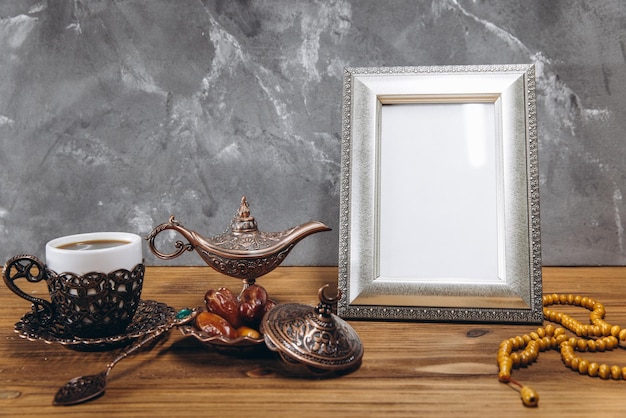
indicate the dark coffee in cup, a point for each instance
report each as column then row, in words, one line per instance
column 92, row 245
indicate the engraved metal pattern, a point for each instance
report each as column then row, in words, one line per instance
column 255, row 240
column 297, row 329
column 150, row 316
column 354, row 114
column 244, row 235
column 76, row 388
column 533, row 194
column 242, row 251
column 96, row 304
column 313, row 337
column 90, row 305
column 245, row 269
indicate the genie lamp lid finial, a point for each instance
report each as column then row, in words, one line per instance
column 243, row 221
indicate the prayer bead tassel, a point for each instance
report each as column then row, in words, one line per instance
column 527, row 394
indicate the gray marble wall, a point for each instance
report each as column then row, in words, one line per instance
column 115, row 114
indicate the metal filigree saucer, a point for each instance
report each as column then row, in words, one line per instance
column 150, row 317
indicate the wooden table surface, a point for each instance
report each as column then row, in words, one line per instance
column 409, row 369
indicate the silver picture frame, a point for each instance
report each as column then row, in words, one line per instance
column 439, row 211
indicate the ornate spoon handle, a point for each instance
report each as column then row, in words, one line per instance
column 85, row 388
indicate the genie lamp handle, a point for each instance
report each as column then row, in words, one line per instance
column 32, row 269
column 181, row 247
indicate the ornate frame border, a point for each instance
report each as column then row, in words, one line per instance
column 517, row 298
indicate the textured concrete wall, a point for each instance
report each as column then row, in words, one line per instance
column 116, row 114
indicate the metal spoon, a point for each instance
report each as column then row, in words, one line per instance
column 85, row 388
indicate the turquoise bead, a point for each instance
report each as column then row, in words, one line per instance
column 183, row 313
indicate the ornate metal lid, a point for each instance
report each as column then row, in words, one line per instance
column 243, row 233
column 313, row 336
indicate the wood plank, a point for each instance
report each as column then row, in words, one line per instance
column 409, row 368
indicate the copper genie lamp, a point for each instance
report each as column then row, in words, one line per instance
column 242, row 251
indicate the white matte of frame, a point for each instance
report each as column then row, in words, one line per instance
column 439, row 212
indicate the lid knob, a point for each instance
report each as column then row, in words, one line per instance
column 243, row 221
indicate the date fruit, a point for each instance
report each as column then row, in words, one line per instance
column 245, row 331
column 224, row 303
column 214, row 325
column 238, row 315
column 269, row 305
column 252, row 302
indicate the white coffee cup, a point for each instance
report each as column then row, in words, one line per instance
column 85, row 253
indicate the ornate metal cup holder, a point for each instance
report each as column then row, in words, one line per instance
column 90, row 305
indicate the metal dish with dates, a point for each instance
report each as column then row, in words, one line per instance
column 239, row 346
column 230, row 323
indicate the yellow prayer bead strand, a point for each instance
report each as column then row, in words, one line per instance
column 598, row 335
